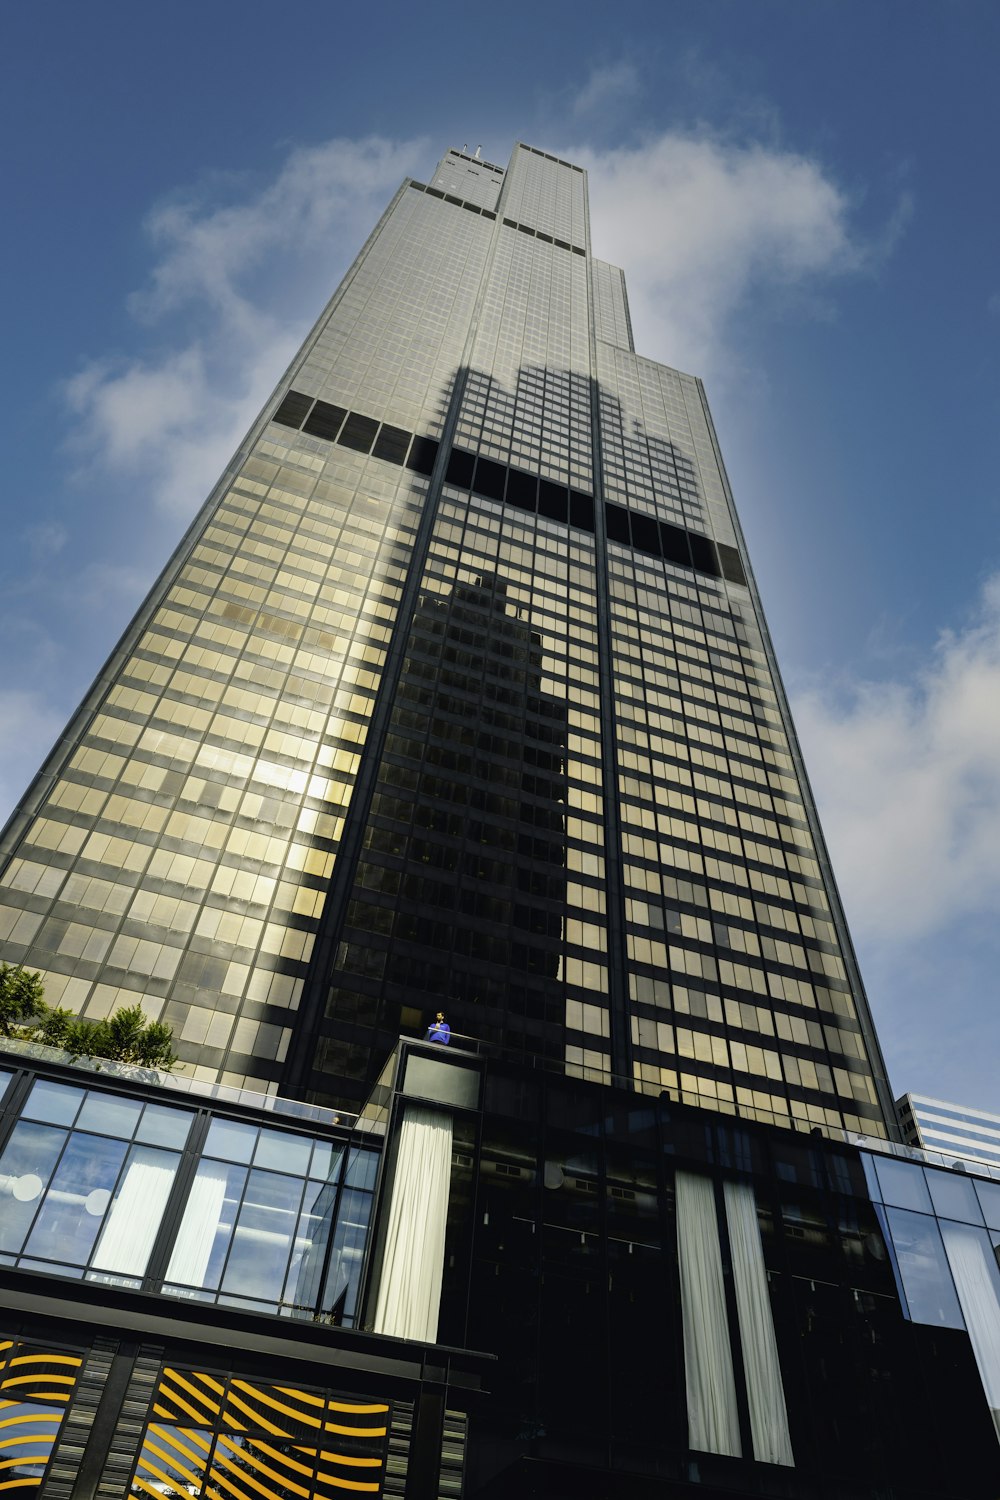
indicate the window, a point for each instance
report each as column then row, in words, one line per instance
column 216, row 1435
column 76, row 1170
column 269, row 1225
column 35, row 1388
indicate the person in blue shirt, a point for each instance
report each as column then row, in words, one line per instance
column 439, row 1031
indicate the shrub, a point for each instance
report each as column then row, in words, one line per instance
column 126, row 1036
column 21, row 1003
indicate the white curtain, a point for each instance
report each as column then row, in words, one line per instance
column 977, row 1280
column 132, row 1223
column 202, row 1216
column 409, row 1289
column 765, row 1393
column 713, row 1418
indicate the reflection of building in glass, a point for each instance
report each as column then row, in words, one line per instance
column 458, row 695
column 460, row 893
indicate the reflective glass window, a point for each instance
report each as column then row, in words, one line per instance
column 238, row 1437
column 56, row 1102
column 903, row 1184
column 162, row 1126
column 988, row 1194
column 347, row 1255
column 36, row 1385
column 283, row 1152
column 110, row 1114
column 923, row 1269
column 953, row 1196
column 230, row 1140
column 264, row 1238
column 75, row 1202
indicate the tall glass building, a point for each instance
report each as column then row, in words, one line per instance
column 457, row 694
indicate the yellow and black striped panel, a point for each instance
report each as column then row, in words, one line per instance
column 35, row 1387
column 189, row 1397
column 173, row 1458
column 235, row 1439
column 280, row 1409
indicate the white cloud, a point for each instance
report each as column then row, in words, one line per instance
column 113, row 586
column 606, row 88
column 45, row 539
column 702, row 225
column 907, row 776
column 327, row 195
column 170, row 422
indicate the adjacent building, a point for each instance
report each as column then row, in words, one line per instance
column 457, row 695
column 951, row 1129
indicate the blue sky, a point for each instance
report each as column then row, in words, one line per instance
column 803, row 196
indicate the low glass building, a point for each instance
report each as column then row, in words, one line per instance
column 495, row 1280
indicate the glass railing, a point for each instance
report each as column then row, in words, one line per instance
column 222, row 1093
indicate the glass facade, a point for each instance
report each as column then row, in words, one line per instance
column 669, row 1292
column 664, row 1297
column 36, row 1385
column 139, row 1194
column 230, row 1436
column 457, row 695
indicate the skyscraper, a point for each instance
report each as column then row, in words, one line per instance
column 458, row 692
column 457, row 695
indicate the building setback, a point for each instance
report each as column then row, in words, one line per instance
column 457, row 695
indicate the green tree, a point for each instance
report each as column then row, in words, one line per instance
column 21, row 1003
column 54, row 1026
column 126, row 1036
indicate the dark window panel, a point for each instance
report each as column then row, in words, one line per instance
column 581, row 510
column 674, row 544
column 490, row 478
column 617, row 519
column 325, row 421
column 553, row 500
column 423, row 452
column 645, row 535
column 293, row 409
column 391, row 444
column 460, row 468
column 732, row 567
column 522, row 489
column 703, row 554
column 359, row 433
